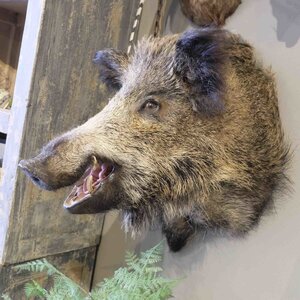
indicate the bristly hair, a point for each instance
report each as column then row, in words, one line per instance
column 199, row 62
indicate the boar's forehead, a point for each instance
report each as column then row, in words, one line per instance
column 151, row 66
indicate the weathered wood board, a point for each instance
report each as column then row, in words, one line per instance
column 64, row 92
column 77, row 265
column 11, row 29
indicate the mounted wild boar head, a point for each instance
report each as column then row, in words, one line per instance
column 192, row 139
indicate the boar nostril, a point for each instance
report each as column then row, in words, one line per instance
column 25, row 169
column 35, row 179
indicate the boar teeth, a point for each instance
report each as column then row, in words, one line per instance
column 95, row 162
column 87, row 185
column 90, row 181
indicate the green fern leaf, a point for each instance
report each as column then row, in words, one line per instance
column 34, row 289
column 140, row 279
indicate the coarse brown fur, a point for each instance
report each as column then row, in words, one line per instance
column 210, row 156
column 209, row 12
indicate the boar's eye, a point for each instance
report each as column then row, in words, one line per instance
column 150, row 106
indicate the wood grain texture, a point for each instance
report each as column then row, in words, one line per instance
column 65, row 92
column 78, row 265
column 10, row 40
column 17, row 117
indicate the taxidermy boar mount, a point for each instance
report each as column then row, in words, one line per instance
column 192, row 139
column 209, row 12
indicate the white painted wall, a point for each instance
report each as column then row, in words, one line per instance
column 266, row 264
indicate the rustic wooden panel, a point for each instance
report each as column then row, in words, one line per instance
column 17, row 117
column 64, row 93
column 7, row 33
column 8, row 17
column 78, row 265
column 10, row 41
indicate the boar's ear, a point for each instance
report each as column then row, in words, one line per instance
column 199, row 61
column 111, row 66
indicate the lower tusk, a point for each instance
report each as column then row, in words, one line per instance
column 89, row 183
column 95, row 162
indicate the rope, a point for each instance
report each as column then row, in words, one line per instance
column 136, row 22
column 158, row 19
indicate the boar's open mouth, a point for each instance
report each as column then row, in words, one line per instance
column 89, row 183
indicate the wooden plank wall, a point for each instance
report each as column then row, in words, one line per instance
column 11, row 29
column 78, row 265
column 64, row 93
column 22, row 93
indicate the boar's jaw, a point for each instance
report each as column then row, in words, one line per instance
column 84, row 195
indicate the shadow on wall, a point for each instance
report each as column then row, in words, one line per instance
column 189, row 259
column 287, row 14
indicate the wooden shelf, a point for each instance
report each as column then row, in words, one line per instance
column 12, row 8
column 4, row 119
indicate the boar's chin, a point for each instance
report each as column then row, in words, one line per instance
column 89, row 194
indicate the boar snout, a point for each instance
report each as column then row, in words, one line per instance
column 28, row 167
column 56, row 166
column 93, row 189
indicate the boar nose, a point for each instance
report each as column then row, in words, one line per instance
column 24, row 165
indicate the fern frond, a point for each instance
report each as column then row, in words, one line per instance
column 131, row 259
column 153, row 255
column 36, row 266
column 65, row 287
column 34, row 289
column 140, row 279
column 153, row 269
